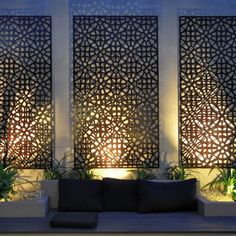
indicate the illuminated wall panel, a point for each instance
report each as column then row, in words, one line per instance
column 115, row 91
column 26, row 113
column 207, row 91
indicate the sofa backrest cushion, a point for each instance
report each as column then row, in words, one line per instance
column 119, row 194
column 167, row 196
column 80, row 195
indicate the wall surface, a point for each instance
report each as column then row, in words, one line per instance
column 168, row 12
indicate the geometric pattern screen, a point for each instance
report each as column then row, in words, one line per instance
column 26, row 113
column 207, row 91
column 115, row 91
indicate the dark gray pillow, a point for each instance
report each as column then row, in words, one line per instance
column 80, row 195
column 167, row 196
column 74, row 220
column 119, row 194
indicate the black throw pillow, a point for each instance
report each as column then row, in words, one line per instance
column 119, row 194
column 80, row 195
column 86, row 220
column 167, row 196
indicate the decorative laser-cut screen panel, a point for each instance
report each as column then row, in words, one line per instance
column 207, row 91
column 115, row 91
column 26, row 113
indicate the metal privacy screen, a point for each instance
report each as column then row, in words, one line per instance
column 207, row 91
column 115, row 91
column 26, row 113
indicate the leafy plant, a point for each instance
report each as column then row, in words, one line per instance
column 59, row 172
column 233, row 189
column 143, row 173
column 179, row 173
column 7, row 178
column 82, row 173
column 223, row 182
column 55, row 172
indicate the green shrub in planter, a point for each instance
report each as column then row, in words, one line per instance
column 224, row 182
column 7, row 178
column 82, row 173
column 179, row 172
column 143, row 173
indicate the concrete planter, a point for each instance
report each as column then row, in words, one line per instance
column 31, row 208
column 211, row 208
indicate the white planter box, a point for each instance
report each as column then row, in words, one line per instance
column 31, row 208
column 211, row 208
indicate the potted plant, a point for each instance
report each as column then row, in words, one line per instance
column 223, row 184
column 9, row 206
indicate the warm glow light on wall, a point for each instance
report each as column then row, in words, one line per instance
column 113, row 173
column 116, row 91
column 26, row 117
column 207, row 91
